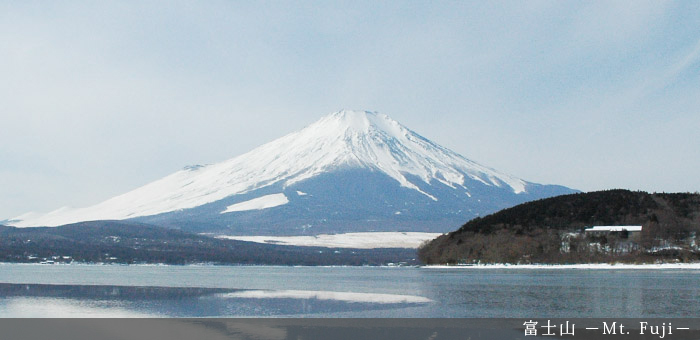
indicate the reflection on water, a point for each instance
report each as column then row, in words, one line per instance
column 23, row 307
column 42, row 300
column 365, row 292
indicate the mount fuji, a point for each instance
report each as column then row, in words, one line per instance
column 351, row 171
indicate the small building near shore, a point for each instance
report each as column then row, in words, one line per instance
column 631, row 231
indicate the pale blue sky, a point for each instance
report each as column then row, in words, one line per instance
column 98, row 98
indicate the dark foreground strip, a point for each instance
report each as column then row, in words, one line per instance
column 340, row 329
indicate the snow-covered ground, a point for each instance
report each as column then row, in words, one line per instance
column 367, row 240
column 573, row 266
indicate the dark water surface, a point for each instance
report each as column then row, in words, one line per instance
column 230, row 291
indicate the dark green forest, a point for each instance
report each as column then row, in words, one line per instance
column 552, row 231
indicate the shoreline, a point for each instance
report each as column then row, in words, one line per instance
column 594, row 266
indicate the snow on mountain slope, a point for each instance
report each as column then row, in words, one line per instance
column 345, row 139
column 264, row 202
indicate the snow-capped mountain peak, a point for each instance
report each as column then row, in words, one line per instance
column 341, row 140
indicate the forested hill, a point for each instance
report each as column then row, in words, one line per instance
column 129, row 242
column 536, row 231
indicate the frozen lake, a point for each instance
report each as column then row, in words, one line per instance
column 264, row 291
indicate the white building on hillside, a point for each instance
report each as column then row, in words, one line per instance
column 614, row 228
column 630, row 232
